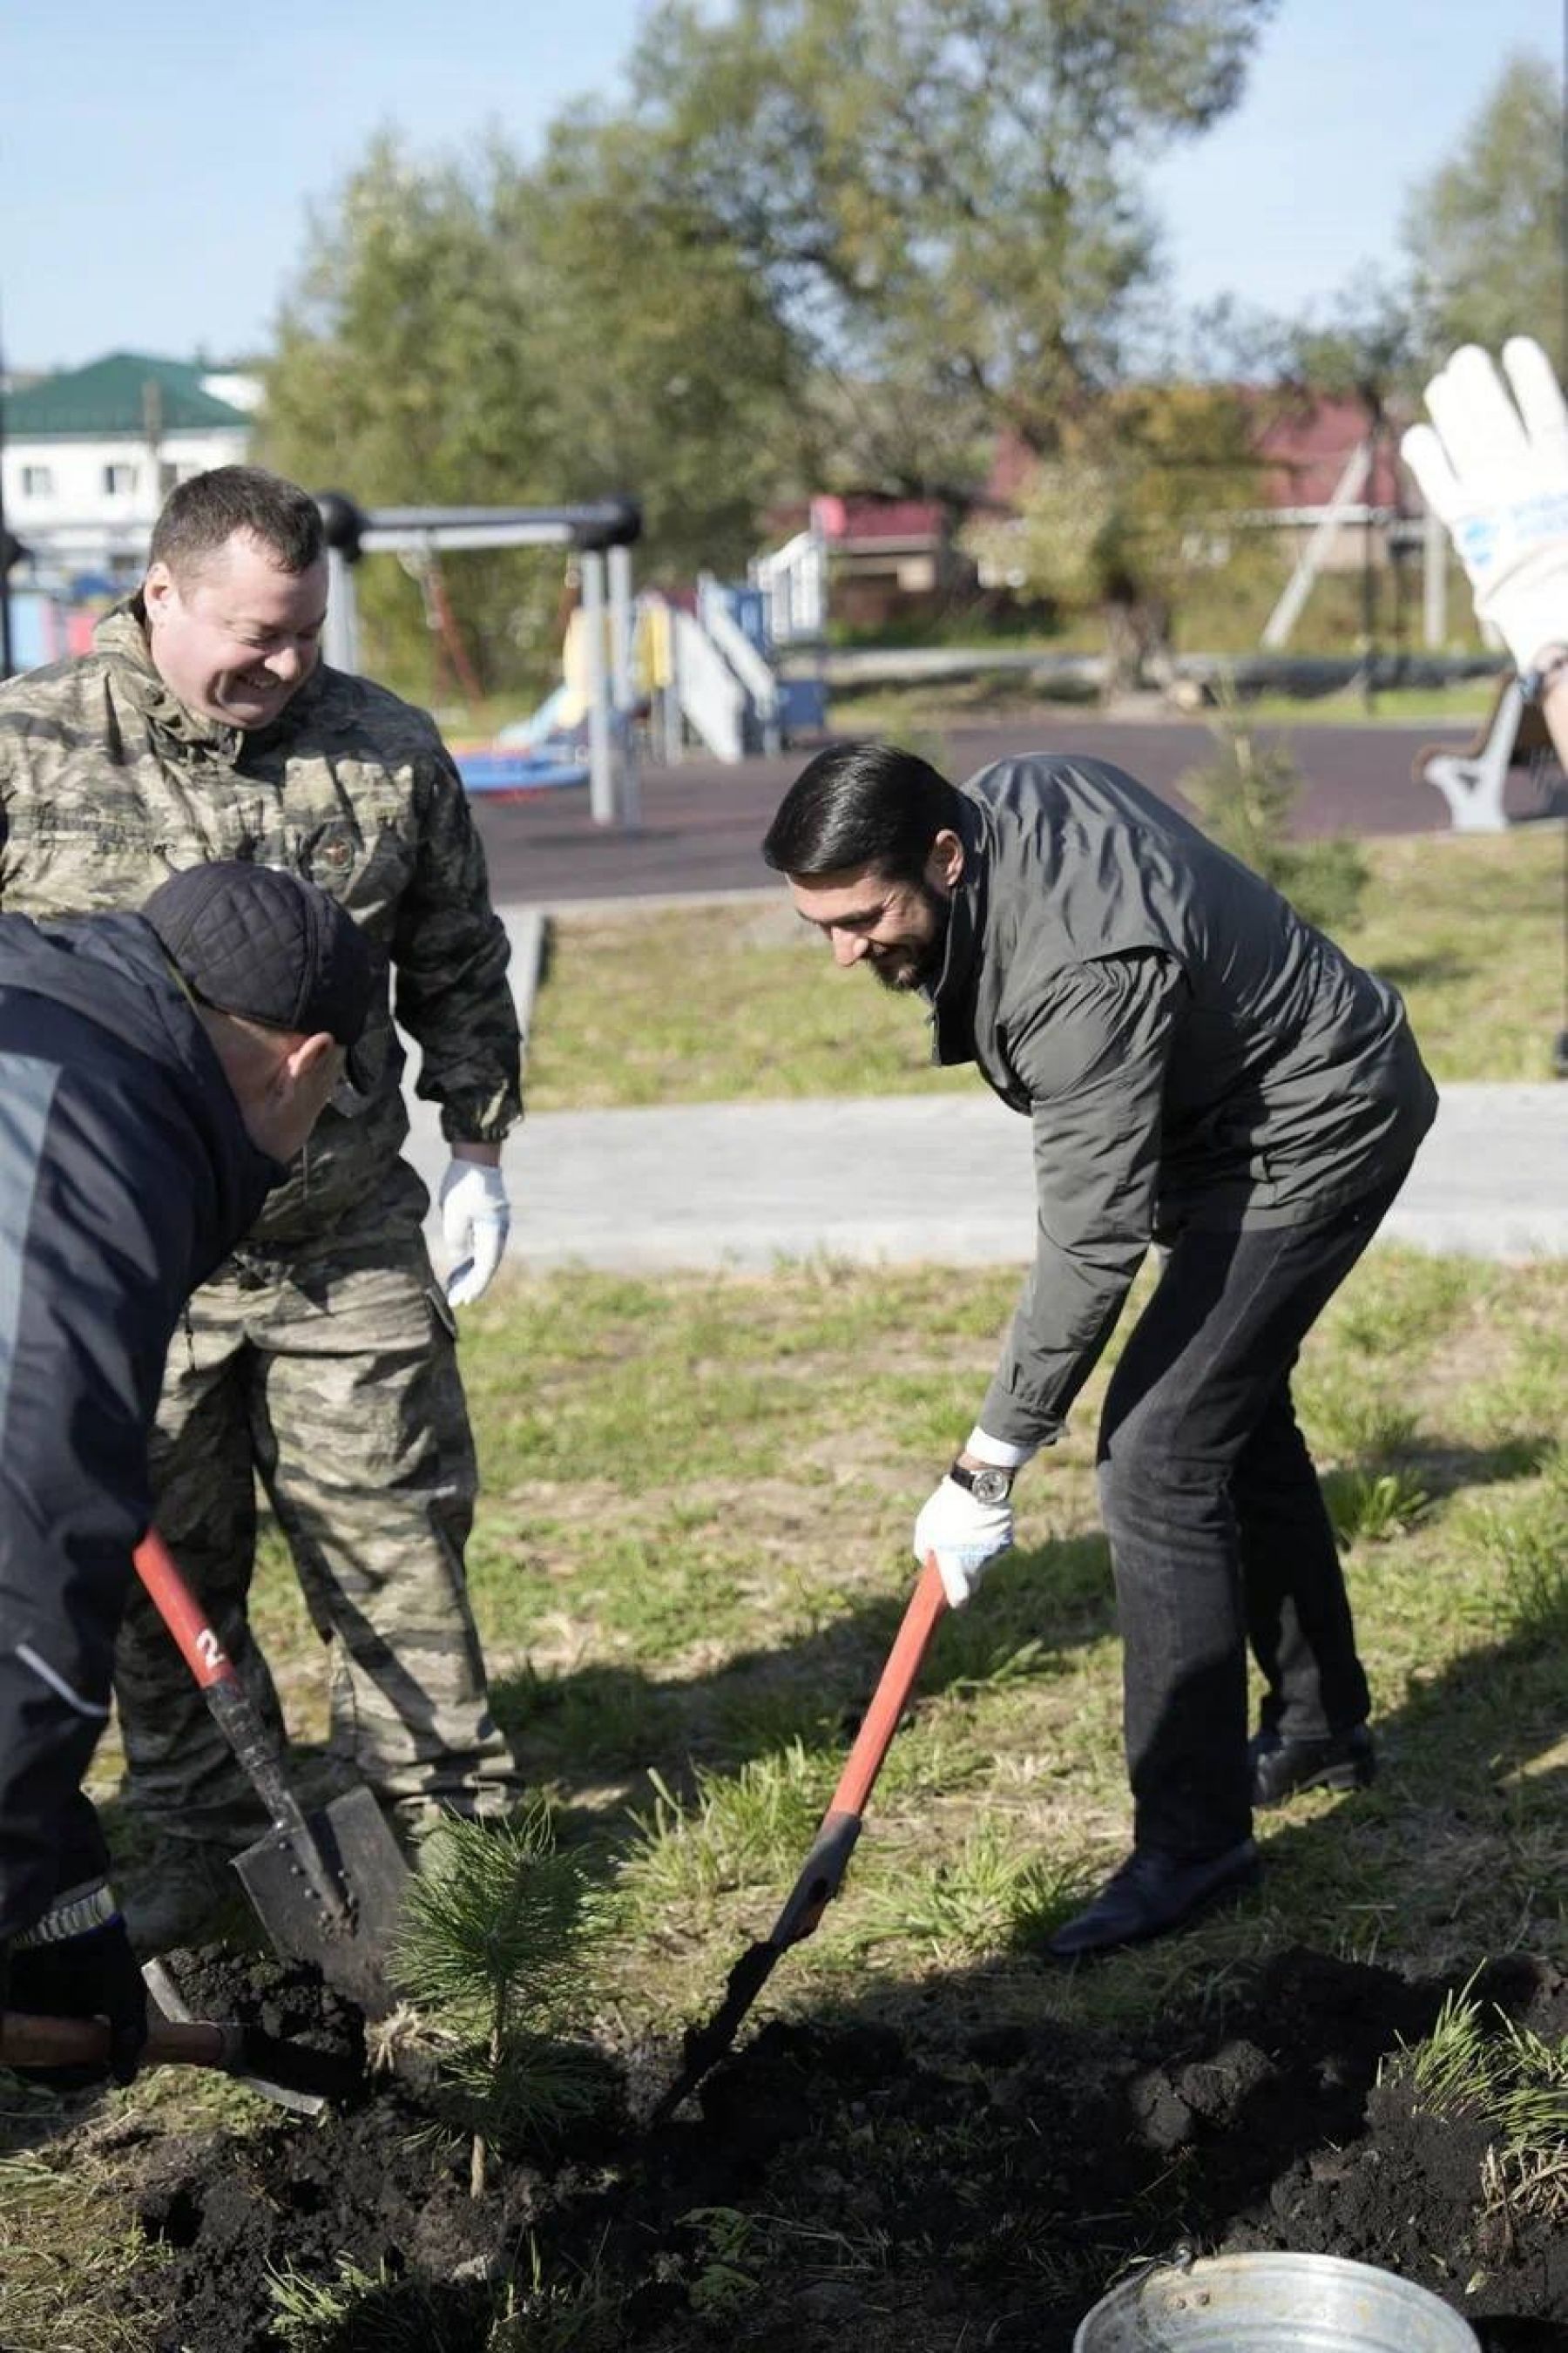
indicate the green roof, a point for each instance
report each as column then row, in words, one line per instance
column 110, row 396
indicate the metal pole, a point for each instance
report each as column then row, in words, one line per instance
column 1346, row 491
column 1433, row 583
column 1369, row 580
column 630, row 795
column 340, row 638
column 601, row 774
column 8, row 661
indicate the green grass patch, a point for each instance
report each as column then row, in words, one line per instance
column 743, row 1003
column 929, row 707
column 682, row 1644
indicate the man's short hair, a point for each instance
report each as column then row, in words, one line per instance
column 201, row 516
column 861, row 805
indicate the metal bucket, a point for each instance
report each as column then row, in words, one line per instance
column 1271, row 2304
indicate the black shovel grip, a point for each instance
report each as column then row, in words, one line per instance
column 820, row 1882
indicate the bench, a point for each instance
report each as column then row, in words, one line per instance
column 1472, row 778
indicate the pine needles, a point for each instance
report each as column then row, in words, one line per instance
column 492, row 1949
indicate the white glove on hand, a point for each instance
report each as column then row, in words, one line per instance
column 967, row 1536
column 1497, row 475
column 476, row 1217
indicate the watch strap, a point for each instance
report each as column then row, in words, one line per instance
column 963, row 1476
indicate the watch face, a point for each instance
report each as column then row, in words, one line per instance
column 992, row 1486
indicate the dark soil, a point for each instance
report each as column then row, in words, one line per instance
column 846, row 2182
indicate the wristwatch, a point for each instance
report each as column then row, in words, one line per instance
column 987, row 1485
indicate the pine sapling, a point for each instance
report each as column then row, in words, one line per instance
column 494, row 1931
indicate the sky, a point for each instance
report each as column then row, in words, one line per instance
column 158, row 162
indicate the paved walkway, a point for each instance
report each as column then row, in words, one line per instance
column 938, row 1176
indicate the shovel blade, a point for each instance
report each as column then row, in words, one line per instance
column 364, row 1863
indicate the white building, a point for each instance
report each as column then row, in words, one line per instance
column 90, row 455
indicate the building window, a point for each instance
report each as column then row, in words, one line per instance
column 38, row 482
column 119, row 480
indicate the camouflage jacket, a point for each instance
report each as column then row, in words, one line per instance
column 108, row 784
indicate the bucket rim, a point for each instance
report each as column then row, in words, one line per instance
column 1098, row 2331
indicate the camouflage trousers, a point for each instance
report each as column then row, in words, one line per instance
column 329, row 1376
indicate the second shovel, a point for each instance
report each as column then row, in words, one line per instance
column 824, row 1866
column 327, row 1886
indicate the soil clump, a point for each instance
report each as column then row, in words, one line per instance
column 918, row 2184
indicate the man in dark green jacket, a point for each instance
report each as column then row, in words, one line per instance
column 1205, row 1071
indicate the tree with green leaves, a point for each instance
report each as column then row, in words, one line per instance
column 941, row 199
column 502, row 334
column 1136, row 496
column 1485, row 232
column 404, row 374
column 666, row 371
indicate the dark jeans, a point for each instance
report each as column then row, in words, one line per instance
column 1218, row 1531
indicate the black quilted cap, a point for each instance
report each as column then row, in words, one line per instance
column 264, row 943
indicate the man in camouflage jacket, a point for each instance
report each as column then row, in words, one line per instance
column 322, row 1356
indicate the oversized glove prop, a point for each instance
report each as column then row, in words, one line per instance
column 1495, row 469
column 964, row 1534
column 476, row 1217
column 62, row 1968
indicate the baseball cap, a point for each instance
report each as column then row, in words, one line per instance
column 264, row 943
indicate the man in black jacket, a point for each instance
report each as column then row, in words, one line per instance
column 157, row 1073
column 1203, row 1070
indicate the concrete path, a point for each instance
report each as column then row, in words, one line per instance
column 938, row 1176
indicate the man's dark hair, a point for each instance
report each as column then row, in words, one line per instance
column 202, row 514
column 861, row 805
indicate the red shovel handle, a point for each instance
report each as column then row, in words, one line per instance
column 881, row 1720
column 182, row 1613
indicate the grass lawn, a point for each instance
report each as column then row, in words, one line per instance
column 1471, row 928
column 932, row 706
column 691, row 1553
column 715, row 1596
column 690, row 1556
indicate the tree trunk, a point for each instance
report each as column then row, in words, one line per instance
column 1137, row 643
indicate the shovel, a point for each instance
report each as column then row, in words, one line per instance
column 327, row 1886
column 301, row 2079
column 825, row 1867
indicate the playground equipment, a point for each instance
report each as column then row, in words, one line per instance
column 601, row 534
column 715, row 673
column 708, row 674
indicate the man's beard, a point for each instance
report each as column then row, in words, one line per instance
column 920, row 968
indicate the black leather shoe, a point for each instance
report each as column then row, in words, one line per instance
column 1152, row 1893
column 1279, row 1767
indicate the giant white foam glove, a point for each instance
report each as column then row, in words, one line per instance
column 965, row 1535
column 1495, row 471
column 476, row 1217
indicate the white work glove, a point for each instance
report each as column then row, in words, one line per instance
column 1495, row 471
column 476, row 1216
column 965, row 1535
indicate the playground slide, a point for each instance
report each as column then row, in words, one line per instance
column 562, row 713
